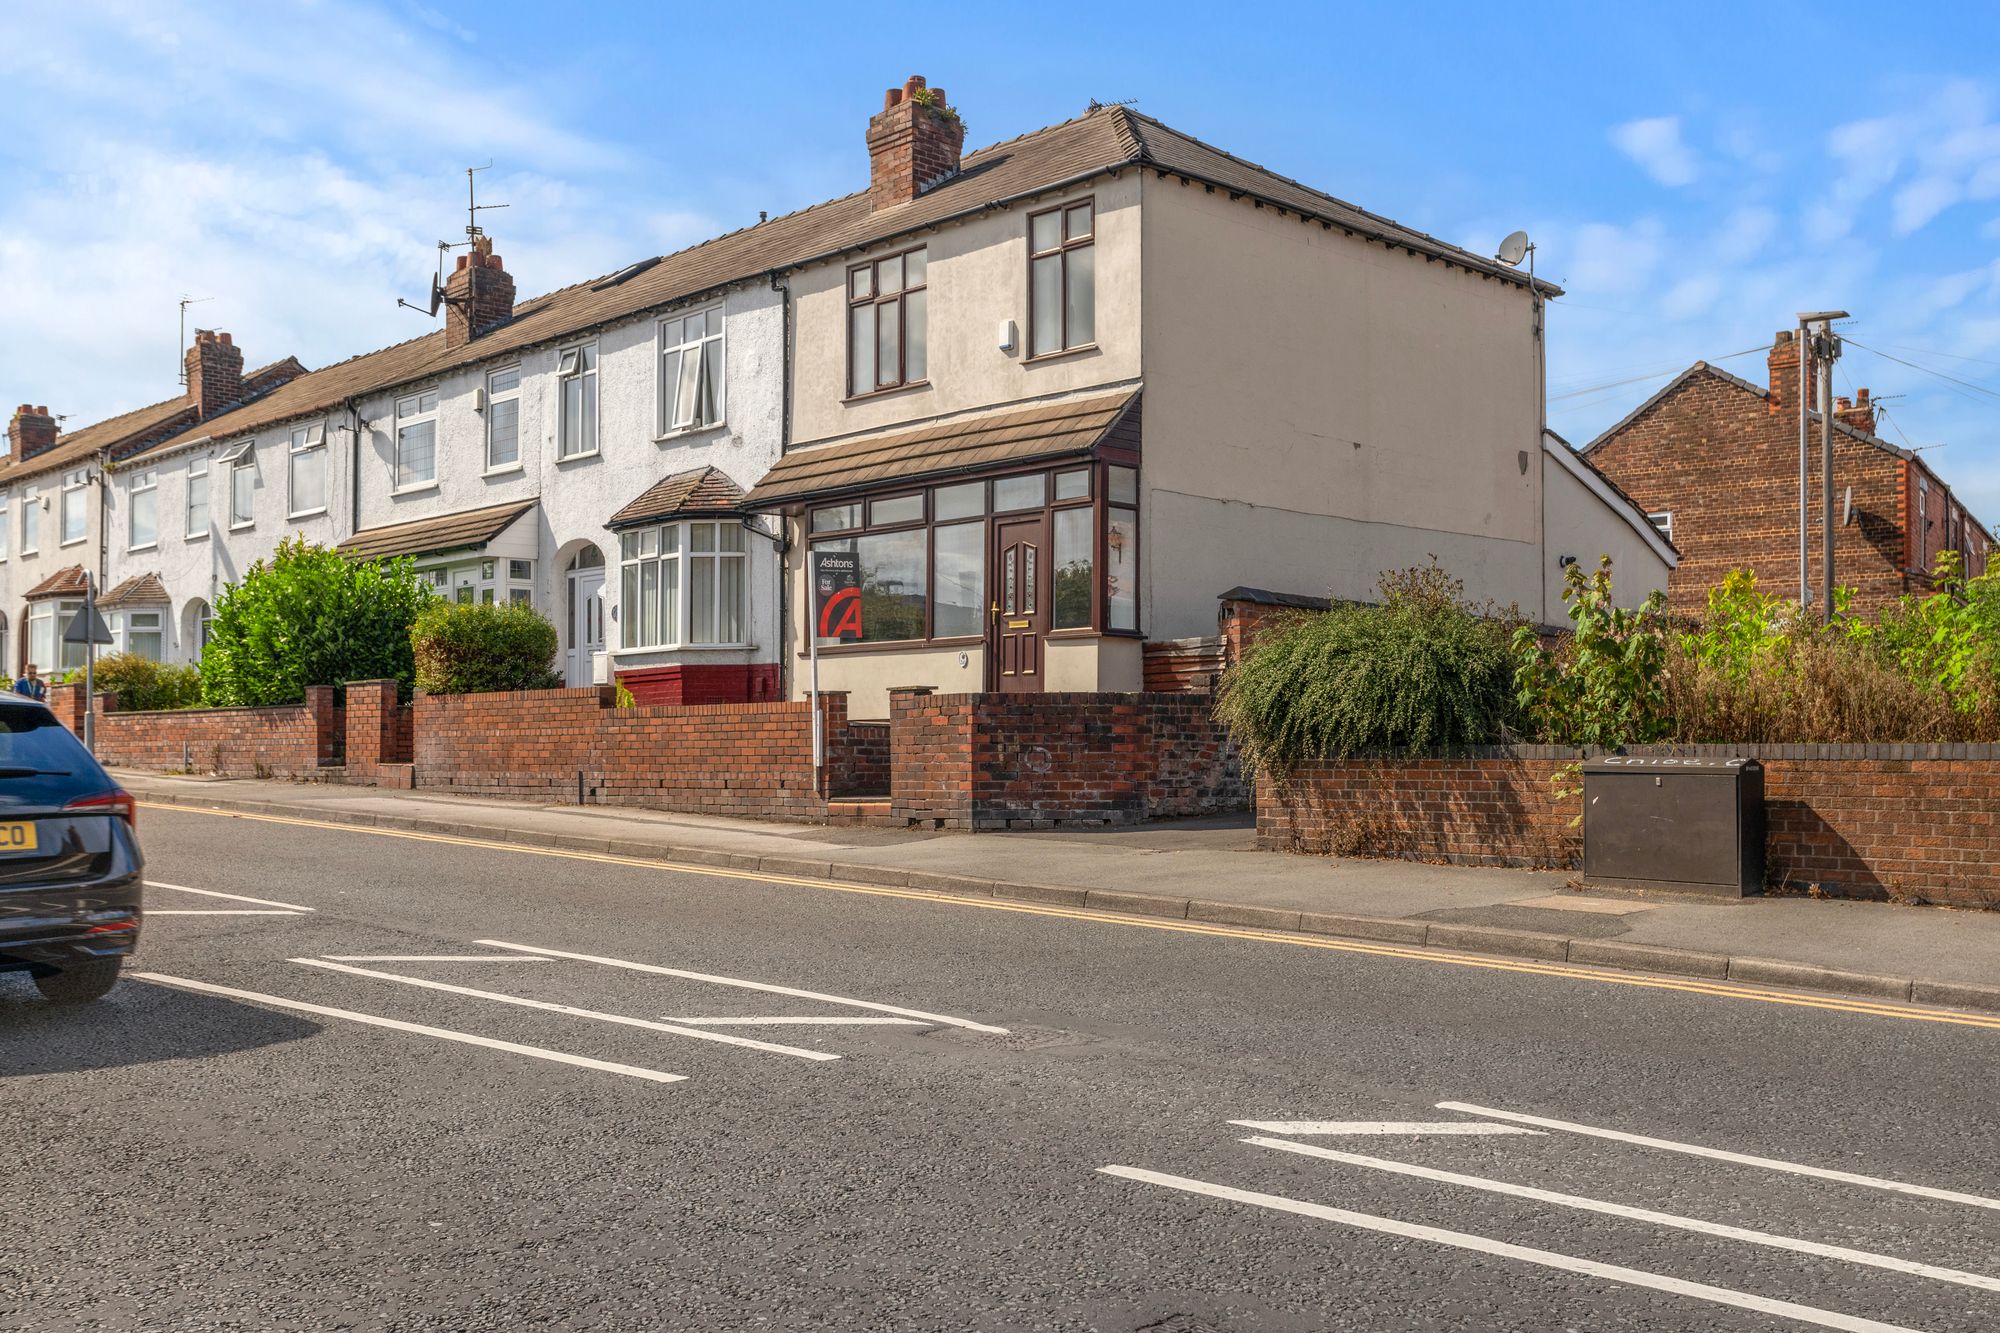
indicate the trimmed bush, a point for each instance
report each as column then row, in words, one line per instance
column 311, row 616
column 143, row 685
column 1423, row 670
column 480, row 647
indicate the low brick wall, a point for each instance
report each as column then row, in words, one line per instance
column 296, row 741
column 1903, row 822
column 751, row 760
column 989, row 761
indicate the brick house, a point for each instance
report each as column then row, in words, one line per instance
column 56, row 504
column 1714, row 460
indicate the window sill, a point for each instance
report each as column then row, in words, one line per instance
column 74, row 542
column 510, row 470
column 886, row 392
column 243, row 527
column 201, row 536
column 309, row 513
column 679, row 433
column 1043, row 358
column 421, row 488
column 896, row 646
column 640, row 650
column 577, row 458
column 149, row 546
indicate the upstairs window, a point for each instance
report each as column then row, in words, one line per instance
column 691, row 370
column 308, row 470
column 197, row 499
column 243, row 491
column 1664, row 521
column 1062, row 278
column 144, row 494
column 31, row 520
column 6, row 519
column 416, row 440
column 888, row 338
column 75, row 506
column 576, row 371
column 503, row 419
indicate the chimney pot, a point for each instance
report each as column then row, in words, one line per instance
column 912, row 145
column 42, row 411
column 225, row 339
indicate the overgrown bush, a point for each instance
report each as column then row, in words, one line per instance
column 1604, row 683
column 142, row 684
column 479, row 647
column 311, row 616
column 1421, row 670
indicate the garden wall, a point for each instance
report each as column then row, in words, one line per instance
column 1902, row 822
column 297, row 741
column 991, row 761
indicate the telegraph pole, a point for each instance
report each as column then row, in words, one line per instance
column 1817, row 345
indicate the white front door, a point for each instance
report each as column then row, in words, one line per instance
column 586, row 625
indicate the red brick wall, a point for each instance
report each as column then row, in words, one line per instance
column 987, row 761
column 378, row 729
column 1862, row 821
column 741, row 683
column 1725, row 462
column 1184, row 666
column 300, row 740
column 728, row 759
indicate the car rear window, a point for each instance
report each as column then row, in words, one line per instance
column 32, row 738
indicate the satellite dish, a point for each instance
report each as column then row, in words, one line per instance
column 1514, row 249
column 1847, row 508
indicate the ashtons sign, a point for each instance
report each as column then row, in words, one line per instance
column 837, row 591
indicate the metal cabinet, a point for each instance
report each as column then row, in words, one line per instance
column 1690, row 824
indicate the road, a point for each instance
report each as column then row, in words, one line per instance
column 431, row 1084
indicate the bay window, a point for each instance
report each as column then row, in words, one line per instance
column 46, row 621
column 1062, row 279
column 888, row 336
column 682, row 584
column 142, row 632
column 143, row 494
column 691, row 371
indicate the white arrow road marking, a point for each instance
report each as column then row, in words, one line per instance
column 1776, row 1242
column 1461, row 1240
column 945, row 1019
column 841, row 1021
column 1744, row 1159
column 571, row 1010
column 223, row 911
column 211, row 893
column 1380, row 1127
column 443, row 1034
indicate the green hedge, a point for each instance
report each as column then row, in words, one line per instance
column 142, row 684
column 479, row 647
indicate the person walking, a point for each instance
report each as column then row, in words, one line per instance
column 32, row 685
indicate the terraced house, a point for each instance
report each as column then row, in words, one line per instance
column 1057, row 395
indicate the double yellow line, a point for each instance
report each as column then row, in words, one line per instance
column 1568, row 971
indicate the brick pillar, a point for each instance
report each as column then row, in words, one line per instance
column 372, row 718
column 329, row 738
column 67, row 701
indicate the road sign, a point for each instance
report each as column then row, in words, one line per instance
column 86, row 626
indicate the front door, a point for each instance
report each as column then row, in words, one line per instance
column 1020, row 599
column 586, row 625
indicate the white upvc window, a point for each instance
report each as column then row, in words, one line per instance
column 196, row 524
column 144, row 633
column 75, row 506
column 46, row 621
column 31, row 519
column 503, row 420
column 6, row 521
column 485, row 579
column 576, row 414
column 307, row 482
column 416, row 441
column 1664, row 521
column 691, row 370
column 682, row 584
column 143, row 496
column 241, row 463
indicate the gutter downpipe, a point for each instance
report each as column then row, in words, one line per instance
column 783, row 545
column 353, row 467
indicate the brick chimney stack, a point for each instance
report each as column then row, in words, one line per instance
column 1784, row 362
column 1859, row 414
column 479, row 295
column 214, row 372
column 913, row 143
column 31, row 432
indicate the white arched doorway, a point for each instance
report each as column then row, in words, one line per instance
column 583, row 616
column 196, row 619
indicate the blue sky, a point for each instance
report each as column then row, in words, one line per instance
column 296, row 163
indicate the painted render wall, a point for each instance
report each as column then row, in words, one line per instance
column 1580, row 524
column 1320, row 408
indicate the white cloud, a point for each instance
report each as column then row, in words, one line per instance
column 1743, row 234
column 1656, row 145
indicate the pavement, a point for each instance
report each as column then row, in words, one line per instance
column 1210, row 871
column 377, row 1078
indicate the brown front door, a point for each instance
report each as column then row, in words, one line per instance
column 1021, row 601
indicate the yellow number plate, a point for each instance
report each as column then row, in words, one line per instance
column 17, row 837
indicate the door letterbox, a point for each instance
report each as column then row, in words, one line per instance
column 1690, row 824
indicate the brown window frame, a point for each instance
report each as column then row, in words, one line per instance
column 876, row 299
column 1064, row 247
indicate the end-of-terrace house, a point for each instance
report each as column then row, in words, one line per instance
column 1714, row 461
column 59, row 510
column 1061, row 394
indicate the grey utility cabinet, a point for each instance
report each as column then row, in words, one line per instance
column 1664, row 823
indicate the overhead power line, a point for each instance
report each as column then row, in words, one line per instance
column 1953, row 379
column 1641, row 379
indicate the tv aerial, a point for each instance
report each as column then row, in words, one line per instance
column 474, row 234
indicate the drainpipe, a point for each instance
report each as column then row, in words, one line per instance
column 353, row 467
column 783, row 541
column 103, row 516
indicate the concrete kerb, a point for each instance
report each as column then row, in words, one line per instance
column 1474, row 940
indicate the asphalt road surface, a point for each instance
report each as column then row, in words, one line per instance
column 408, row 1082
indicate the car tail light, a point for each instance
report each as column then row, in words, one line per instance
column 117, row 801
